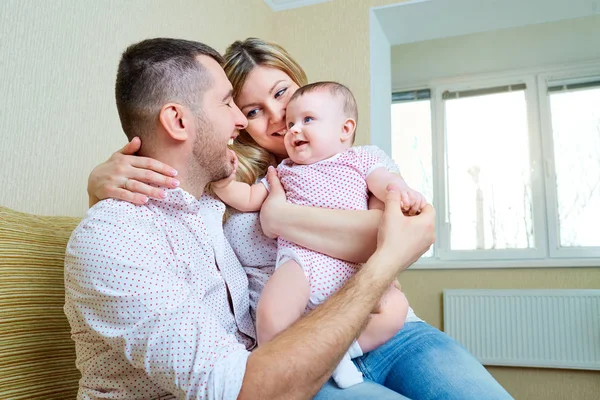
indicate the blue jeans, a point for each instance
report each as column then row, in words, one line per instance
column 419, row 363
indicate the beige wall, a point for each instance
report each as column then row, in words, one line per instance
column 58, row 61
column 57, row 124
column 331, row 41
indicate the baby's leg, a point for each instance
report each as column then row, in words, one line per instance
column 282, row 302
column 386, row 321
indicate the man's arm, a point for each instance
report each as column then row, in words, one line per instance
column 296, row 363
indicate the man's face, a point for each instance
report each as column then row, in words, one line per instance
column 218, row 123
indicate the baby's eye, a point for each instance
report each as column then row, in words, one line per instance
column 308, row 119
column 290, row 125
column 252, row 113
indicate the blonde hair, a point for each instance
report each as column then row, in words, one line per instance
column 241, row 57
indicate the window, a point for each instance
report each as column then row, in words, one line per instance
column 512, row 164
column 575, row 116
column 489, row 197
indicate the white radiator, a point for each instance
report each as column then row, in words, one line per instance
column 528, row 328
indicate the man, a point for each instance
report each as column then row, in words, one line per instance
column 157, row 301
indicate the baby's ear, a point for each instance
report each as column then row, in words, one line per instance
column 348, row 130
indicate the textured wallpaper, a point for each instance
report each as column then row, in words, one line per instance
column 58, row 62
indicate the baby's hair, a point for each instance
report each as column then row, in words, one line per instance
column 337, row 90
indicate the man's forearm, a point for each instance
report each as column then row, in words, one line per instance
column 298, row 361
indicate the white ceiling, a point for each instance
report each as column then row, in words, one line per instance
column 279, row 5
column 418, row 20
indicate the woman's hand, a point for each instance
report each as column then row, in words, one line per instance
column 125, row 176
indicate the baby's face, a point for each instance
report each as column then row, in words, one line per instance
column 315, row 122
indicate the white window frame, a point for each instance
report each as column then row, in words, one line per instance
column 575, row 74
column 547, row 251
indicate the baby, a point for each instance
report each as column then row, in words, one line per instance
column 323, row 170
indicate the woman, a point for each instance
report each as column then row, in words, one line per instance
column 420, row 362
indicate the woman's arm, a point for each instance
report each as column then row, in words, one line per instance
column 350, row 235
column 125, row 176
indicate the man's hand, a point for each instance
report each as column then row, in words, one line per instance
column 403, row 238
column 273, row 206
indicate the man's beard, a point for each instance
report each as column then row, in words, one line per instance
column 210, row 160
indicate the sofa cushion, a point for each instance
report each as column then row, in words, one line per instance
column 38, row 355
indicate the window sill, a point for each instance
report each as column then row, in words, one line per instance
column 520, row 263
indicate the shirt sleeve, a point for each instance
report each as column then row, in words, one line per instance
column 265, row 183
column 372, row 157
column 141, row 307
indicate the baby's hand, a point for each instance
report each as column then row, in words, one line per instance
column 224, row 182
column 412, row 201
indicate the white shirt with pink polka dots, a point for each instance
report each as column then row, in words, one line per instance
column 157, row 301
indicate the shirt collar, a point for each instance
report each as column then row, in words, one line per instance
column 186, row 202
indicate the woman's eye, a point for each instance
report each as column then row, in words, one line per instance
column 252, row 113
column 307, row 119
column 280, row 93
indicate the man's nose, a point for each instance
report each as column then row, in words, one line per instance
column 241, row 122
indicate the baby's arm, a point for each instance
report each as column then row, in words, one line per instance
column 380, row 178
column 241, row 196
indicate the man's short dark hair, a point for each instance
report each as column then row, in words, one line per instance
column 158, row 71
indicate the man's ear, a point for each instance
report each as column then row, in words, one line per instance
column 176, row 120
column 348, row 130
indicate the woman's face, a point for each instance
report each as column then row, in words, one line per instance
column 263, row 100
